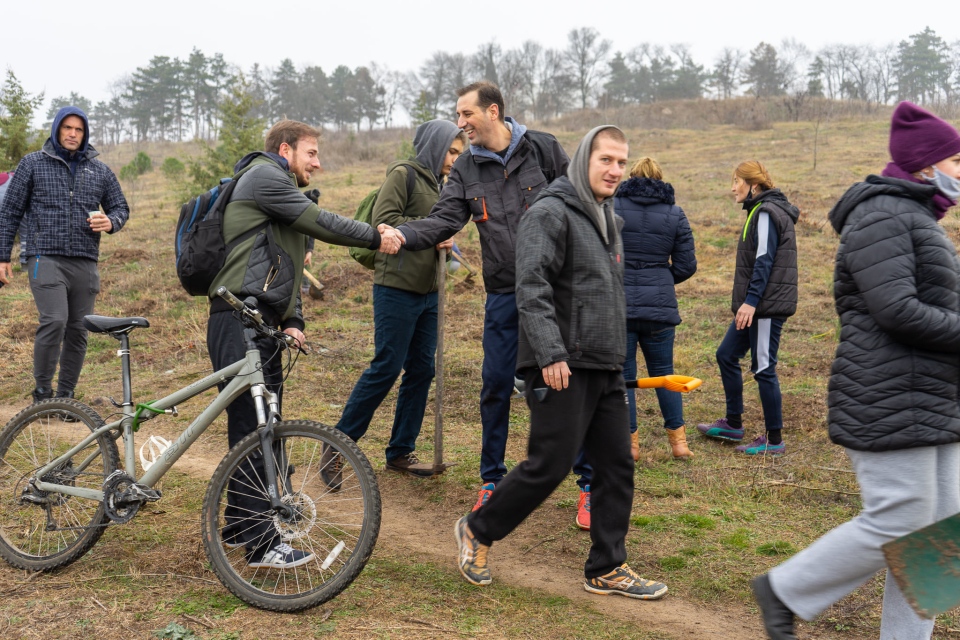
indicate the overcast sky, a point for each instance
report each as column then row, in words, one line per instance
column 58, row 47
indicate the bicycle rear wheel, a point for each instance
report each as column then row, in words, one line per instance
column 40, row 531
column 333, row 529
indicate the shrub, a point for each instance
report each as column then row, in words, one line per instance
column 172, row 168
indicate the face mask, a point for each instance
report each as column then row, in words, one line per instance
column 948, row 186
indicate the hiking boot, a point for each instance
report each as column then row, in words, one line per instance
column 635, row 445
column 777, row 617
column 678, row 443
column 721, row 429
column 282, row 556
column 583, row 509
column 624, row 581
column 66, row 417
column 331, row 467
column 41, row 394
column 472, row 558
column 760, row 447
column 411, row 465
column 484, row 495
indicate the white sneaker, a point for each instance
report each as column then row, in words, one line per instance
column 282, row 556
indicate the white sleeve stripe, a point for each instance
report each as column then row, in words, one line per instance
column 763, row 231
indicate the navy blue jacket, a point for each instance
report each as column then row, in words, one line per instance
column 52, row 201
column 658, row 249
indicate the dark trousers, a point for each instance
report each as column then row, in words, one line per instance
column 405, row 337
column 244, row 524
column 65, row 290
column 656, row 343
column 762, row 339
column 500, row 337
column 590, row 413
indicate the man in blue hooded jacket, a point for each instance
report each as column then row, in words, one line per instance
column 58, row 193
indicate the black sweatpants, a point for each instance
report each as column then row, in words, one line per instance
column 591, row 412
column 244, row 524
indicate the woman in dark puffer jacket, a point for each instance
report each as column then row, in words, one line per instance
column 658, row 253
column 895, row 380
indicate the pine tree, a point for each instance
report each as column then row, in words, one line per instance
column 17, row 137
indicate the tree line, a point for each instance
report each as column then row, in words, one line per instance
column 177, row 99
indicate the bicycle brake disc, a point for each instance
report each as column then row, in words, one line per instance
column 302, row 521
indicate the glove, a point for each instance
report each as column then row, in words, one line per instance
column 313, row 194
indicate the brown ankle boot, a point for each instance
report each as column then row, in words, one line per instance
column 678, row 442
column 635, row 445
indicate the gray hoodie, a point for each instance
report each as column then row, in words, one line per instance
column 432, row 141
column 579, row 174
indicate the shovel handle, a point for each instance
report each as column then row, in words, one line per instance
column 682, row 384
column 312, row 280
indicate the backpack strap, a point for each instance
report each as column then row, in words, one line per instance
column 220, row 207
column 411, row 178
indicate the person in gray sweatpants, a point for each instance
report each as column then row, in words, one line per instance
column 55, row 199
column 895, row 381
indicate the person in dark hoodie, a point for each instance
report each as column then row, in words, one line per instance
column 658, row 253
column 266, row 223
column 404, row 303
column 55, row 197
column 493, row 185
column 571, row 350
column 895, row 379
column 764, row 296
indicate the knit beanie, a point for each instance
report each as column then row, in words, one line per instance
column 919, row 139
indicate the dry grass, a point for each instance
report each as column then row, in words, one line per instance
column 704, row 527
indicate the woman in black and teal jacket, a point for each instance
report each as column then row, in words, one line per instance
column 764, row 296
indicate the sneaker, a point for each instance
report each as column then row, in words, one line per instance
column 583, row 509
column 331, row 468
column 410, row 464
column 760, row 447
column 282, row 556
column 721, row 429
column 777, row 617
column 472, row 558
column 485, row 492
column 624, row 581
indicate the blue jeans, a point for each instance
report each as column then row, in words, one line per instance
column 656, row 343
column 405, row 337
column 762, row 339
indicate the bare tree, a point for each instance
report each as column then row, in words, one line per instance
column 486, row 62
column 585, row 56
column 726, row 72
column 435, row 78
column 392, row 83
column 516, row 75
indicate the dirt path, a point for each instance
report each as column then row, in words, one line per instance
column 412, row 526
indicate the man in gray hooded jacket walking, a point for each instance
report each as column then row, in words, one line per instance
column 572, row 347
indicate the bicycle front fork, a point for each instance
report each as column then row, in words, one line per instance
column 267, row 406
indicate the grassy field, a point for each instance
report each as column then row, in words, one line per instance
column 704, row 527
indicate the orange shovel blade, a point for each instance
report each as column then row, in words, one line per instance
column 682, row 384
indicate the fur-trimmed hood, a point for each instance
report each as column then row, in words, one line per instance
column 647, row 190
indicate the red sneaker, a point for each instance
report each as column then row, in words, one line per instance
column 583, row 509
column 485, row 492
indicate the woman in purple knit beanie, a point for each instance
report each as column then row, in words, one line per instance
column 895, row 380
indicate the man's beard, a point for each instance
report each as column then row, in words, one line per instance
column 303, row 180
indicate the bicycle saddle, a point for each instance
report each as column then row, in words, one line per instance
column 103, row 324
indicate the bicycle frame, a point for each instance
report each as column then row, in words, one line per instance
column 246, row 375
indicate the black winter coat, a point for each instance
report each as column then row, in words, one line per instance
column 658, row 249
column 894, row 383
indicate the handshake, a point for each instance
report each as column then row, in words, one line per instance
column 390, row 239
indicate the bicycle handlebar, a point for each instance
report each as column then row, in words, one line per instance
column 246, row 308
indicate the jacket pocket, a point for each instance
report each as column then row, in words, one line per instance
column 268, row 279
column 531, row 181
column 476, row 201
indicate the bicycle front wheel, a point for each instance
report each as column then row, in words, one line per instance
column 308, row 557
column 42, row 530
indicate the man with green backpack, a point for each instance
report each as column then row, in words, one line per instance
column 404, row 302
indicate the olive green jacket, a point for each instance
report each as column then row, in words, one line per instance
column 267, row 196
column 414, row 271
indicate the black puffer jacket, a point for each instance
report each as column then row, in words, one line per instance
column 896, row 377
column 658, row 249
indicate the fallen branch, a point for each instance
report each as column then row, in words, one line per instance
column 126, row 575
column 800, row 486
column 813, row 466
column 550, row 539
column 420, row 629
column 198, row 621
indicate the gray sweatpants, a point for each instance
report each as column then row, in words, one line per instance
column 64, row 290
column 902, row 491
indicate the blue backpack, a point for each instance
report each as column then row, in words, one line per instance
column 199, row 246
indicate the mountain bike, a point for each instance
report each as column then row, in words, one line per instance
column 299, row 490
